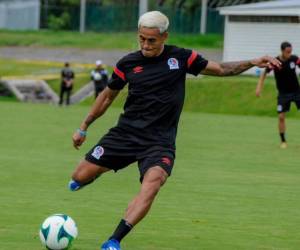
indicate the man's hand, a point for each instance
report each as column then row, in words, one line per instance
column 266, row 62
column 78, row 139
column 260, row 84
column 103, row 101
column 69, row 83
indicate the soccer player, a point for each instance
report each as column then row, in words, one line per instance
column 287, row 86
column 67, row 81
column 146, row 131
column 99, row 76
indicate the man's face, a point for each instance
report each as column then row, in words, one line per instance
column 151, row 41
column 287, row 52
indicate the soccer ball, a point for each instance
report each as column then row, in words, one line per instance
column 58, row 231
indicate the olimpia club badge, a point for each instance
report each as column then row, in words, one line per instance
column 292, row 65
column 173, row 63
column 98, row 152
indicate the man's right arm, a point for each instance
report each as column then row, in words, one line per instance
column 101, row 104
column 103, row 101
column 260, row 83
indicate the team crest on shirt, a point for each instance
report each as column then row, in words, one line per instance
column 292, row 65
column 98, row 152
column 173, row 63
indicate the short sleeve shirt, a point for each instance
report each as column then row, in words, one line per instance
column 156, row 90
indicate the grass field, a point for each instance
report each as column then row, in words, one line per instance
column 232, row 187
column 122, row 40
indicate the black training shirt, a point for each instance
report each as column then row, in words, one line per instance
column 286, row 76
column 156, row 90
column 67, row 74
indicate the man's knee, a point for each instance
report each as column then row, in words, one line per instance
column 77, row 181
column 154, row 179
column 77, row 176
column 85, row 174
column 281, row 117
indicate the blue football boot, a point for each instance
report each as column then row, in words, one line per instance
column 111, row 245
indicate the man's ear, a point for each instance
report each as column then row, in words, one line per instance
column 165, row 35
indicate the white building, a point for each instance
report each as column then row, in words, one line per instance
column 20, row 14
column 257, row 29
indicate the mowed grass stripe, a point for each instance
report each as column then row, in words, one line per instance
column 100, row 40
column 232, row 187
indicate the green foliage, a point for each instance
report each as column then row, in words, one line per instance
column 61, row 2
column 123, row 15
column 59, row 23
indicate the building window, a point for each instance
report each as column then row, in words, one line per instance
column 265, row 19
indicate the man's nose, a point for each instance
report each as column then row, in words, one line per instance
column 146, row 45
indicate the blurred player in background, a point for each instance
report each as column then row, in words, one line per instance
column 100, row 77
column 146, row 131
column 67, row 81
column 287, row 86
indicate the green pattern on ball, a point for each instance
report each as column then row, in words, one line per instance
column 45, row 232
column 64, row 234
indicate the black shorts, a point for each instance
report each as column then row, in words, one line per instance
column 284, row 101
column 119, row 148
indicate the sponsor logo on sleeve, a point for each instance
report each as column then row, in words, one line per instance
column 98, row 152
column 173, row 63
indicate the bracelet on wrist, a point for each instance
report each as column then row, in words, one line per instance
column 82, row 133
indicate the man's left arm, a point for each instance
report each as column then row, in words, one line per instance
column 238, row 67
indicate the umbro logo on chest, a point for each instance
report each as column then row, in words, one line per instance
column 173, row 63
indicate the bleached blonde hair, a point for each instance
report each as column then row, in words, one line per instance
column 154, row 19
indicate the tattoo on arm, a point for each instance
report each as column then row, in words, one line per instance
column 235, row 68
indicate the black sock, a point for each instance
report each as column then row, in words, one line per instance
column 121, row 231
column 282, row 136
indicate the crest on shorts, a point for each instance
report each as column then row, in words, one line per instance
column 279, row 108
column 292, row 65
column 173, row 63
column 98, row 152
column 166, row 161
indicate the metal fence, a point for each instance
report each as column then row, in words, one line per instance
column 20, row 15
column 125, row 18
